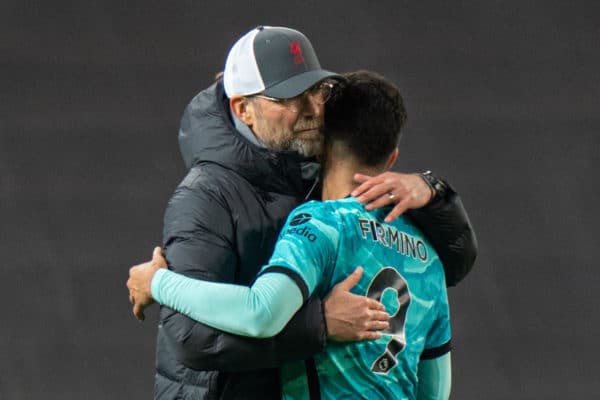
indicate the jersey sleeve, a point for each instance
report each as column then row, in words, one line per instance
column 258, row 311
column 439, row 336
column 307, row 246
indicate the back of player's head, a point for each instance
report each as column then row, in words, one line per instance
column 366, row 113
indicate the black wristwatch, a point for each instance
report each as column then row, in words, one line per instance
column 437, row 186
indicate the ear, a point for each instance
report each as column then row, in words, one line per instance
column 242, row 109
column 392, row 160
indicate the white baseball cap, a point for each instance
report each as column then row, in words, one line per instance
column 275, row 61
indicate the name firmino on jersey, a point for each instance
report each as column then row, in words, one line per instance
column 390, row 237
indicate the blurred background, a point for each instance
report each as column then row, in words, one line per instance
column 503, row 100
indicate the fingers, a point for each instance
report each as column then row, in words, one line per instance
column 157, row 258
column 351, row 280
column 373, row 329
column 381, row 201
column 135, row 284
column 375, row 191
column 380, row 316
column 377, row 320
column 397, row 211
column 370, row 307
column 138, row 311
column 374, row 305
column 369, row 335
column 361, row 178
column 366, row 183
column 378, row 192
column 407, row 190
column 378, row 325
column 375, row 316
column 131, row 289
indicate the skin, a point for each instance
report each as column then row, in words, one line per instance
column 340, row 170
column 281, row 129
column 348, row 316
column 409, row 190
column 339, row 180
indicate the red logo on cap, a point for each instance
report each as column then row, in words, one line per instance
column 296, row 52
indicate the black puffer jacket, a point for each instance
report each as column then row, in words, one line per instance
column 221, row 225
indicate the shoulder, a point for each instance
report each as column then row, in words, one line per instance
column 202, row 192
column 314, row 211
column 210, row 179
column 309, row 206
column 208, row 176
column 199, row 183
column 315, row 221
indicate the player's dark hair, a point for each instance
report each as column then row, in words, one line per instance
column 366, row 113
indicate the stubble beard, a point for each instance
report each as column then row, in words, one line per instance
column 280, row 139
column 290, row 141
column 307, row 147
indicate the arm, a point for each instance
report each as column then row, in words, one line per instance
column 435, row 378
column 197, row 228
column 192, row 342
column 441, row 217
column 258, row 311
column 434, row 374
column 198, row 243
column 349, row 317
column 446, row 224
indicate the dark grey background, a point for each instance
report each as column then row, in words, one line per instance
column 503, row 100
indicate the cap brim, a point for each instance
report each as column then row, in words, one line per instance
column 294, row 86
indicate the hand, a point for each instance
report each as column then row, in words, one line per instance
column 140, row 278
column 351, row 317
column 408, row 191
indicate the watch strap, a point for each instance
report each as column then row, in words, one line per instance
column 437, row 185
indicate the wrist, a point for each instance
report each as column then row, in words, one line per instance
column 436, row 185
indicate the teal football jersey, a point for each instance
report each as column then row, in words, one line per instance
column 319, row 246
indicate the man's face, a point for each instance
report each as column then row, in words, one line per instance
column 293, row 127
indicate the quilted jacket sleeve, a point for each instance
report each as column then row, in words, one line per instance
column 446, row 224
column 198, row 242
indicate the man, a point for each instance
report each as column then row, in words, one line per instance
column 317, row 248
column 248, row 142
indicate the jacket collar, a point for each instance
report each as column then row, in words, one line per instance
column 207, row 135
